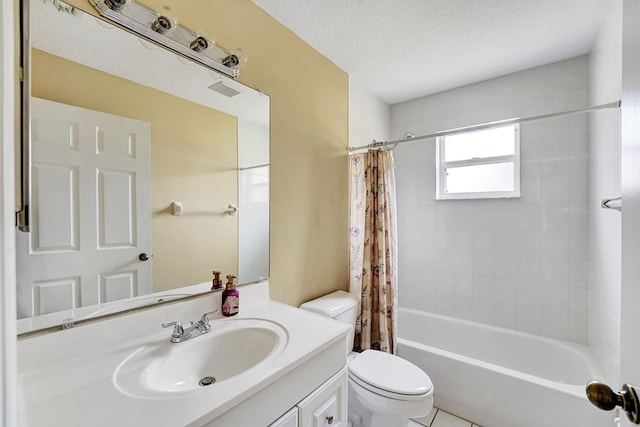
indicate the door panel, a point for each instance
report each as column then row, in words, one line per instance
column 89, row 169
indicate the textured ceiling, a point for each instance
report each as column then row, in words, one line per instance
column 405, row 49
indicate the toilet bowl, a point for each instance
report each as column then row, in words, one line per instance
column 384, row 390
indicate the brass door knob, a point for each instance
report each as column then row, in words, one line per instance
column 602, row 396
column 143, row 257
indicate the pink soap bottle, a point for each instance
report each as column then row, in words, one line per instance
column 230, row 298
column 216, row 283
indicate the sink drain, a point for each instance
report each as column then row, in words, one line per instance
column 207, row 381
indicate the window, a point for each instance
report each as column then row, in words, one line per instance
column 479, row 164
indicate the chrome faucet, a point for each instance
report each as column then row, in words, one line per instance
column 195, row 329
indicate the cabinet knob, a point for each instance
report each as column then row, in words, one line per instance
column 330, row 419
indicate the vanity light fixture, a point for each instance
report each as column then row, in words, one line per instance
column 162, row 28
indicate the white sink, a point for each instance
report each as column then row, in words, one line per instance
column 234, row 347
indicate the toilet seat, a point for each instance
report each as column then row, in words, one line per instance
column 390, row 376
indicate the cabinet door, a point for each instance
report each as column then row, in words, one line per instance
column 290, row 419
column 326, row 406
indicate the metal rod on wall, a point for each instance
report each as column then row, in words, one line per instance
column 380, row 144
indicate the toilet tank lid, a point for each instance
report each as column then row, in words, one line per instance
column 333, row 304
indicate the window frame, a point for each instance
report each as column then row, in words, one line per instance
column 441, row 167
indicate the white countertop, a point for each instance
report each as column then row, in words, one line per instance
column 66, row 377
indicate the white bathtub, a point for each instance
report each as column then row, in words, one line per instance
column 497, row 377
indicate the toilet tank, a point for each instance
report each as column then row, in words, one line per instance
column 339, row 305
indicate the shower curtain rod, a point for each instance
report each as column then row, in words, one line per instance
column 380, row 144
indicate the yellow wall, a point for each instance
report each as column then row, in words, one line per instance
column 309, row 128
column 193, row 160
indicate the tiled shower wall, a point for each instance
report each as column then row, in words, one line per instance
column 517, row 263
column 605, row 75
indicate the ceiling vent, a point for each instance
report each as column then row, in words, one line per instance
column 224, row 89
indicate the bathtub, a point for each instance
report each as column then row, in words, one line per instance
column 497, row 377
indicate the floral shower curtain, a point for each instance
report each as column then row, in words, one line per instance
column 373, row 249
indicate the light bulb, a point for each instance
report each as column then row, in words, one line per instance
column 117, row 5
column 204, row 40
column 236, row 59
column 165, row 21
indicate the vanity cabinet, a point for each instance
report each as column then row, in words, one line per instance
column 325, row 406
column 290, row 419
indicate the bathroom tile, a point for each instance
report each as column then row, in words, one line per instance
column 463, row 307
column 530, row 184
column 529, row 320
column 463, row 284
column 555, row 188
column 578, row 300
column 410, row 278
column 578, row 187
column 505, row 290
column 463, row 262
column 427, row 215
column 578, row 215
column 505, row 315
column 483, row 263
column 416, row 236
column 579, row 272
column 483, row 311
column 417, row 196
column 462, row 238
column 443, row 282
column 463, row 214
column 526, row 215
column 408, row 297
column 445, row 305
column 555, row 214
column 529, row 295
column 579, row 244
column 414, row 256
column 411, row 217
column 519, row 266
column 483, row 288
column 444, row 215
column 426, row 421
column 554, row 324
column 555, row 298
column 578, row 163
column 444, row 237
column 427, row 301
column 556, row 270
column 444, row 258
column 578, row 328
column 482, row 239
column 555, row 242
column 445, row 419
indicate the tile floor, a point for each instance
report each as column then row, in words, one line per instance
column 440, row 418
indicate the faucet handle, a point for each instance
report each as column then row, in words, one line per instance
column 204, row 320
column 178, row 330
column 205, row 316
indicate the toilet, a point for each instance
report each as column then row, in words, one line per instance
column 384, row 390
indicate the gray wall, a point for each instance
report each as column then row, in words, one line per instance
column 605, row 71
column 516, row 263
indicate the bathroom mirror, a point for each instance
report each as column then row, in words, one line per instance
column 147, row 173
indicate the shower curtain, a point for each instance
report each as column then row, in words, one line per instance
column 373, row 249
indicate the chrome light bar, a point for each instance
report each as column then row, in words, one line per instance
column 148, row 24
